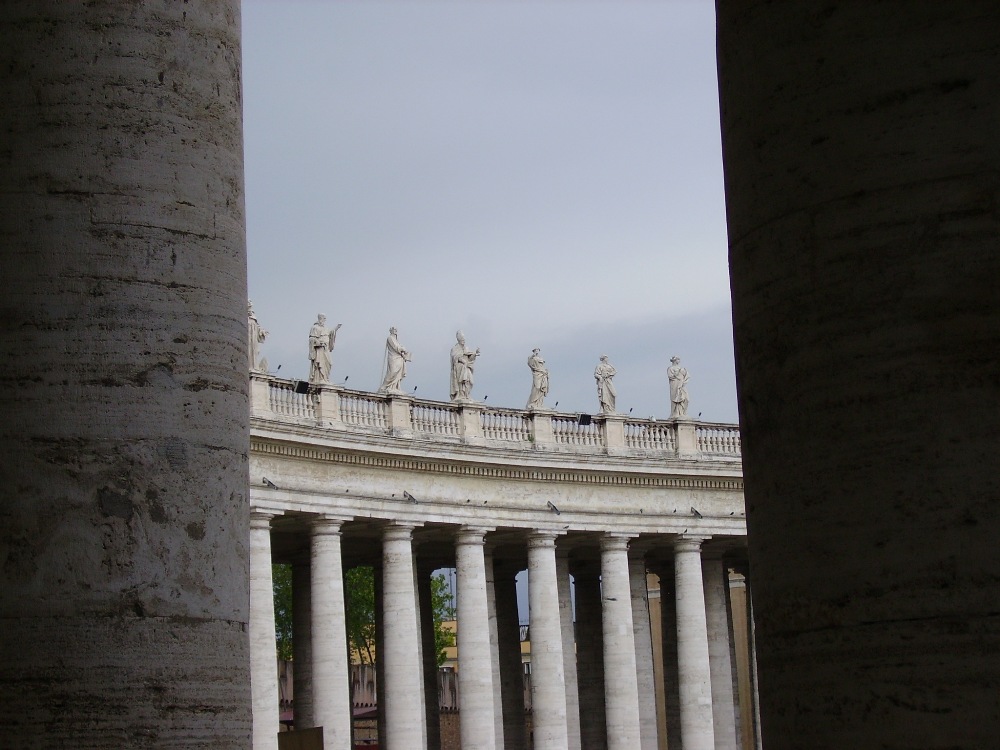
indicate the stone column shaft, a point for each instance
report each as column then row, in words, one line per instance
column 548, row 687
column 123, row 389
column 401, row 687
column 330, row 666
column 511, row 670
column 263, row 655
column 428, row 656
column 693, row 667
column 569, row 652
column 491, row 602
column 475, row 657
column 621, row 688
column 590, row 658
column 668, row 645
column 717, row 623
column 643, row 654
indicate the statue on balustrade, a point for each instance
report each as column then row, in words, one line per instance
column 605, row 388
column 463, row 361
column 396, row 358
column 321, row 343
column 257, row 336
column 539, row 381
column 678, row 377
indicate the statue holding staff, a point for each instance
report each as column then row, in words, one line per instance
column 321, row 343
column 463, row 361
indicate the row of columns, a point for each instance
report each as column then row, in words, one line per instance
column 591, row 690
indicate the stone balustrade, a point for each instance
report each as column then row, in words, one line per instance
column 336, row 407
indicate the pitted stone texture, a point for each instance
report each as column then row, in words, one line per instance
column 862, row 187
column 124, row 347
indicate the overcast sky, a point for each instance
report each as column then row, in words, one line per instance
column 537, row 174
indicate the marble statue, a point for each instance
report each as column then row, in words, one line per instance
column 463, row 360
column 321, row 343
column 605, row 388
column 396, row 358
column 257, row 336
column 539, row 381
column 678, row 377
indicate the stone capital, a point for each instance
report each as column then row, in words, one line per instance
column 689, row 543
column 327, row 525
column 260, row 519
column 540, row 538
column 398, row 532
column 615, row 542
column 474, row 535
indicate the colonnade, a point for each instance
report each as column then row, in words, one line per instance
column 592, row 684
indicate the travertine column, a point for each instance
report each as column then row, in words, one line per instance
column 509, row 647
column 302, row 642
column 330, row 667
column 402, row 683
column 548, row 688
column 643, row 653
column 621, row 689
column 668, row 645
column 694, row 673
column 123, row 386
column 475, row 658
column 861, row 187
column 263, row 656
column 491, row 603
column 717, row 623
column 590, row 657
column 428, row 655
column 569, row 651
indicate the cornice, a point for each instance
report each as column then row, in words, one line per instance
column 617, row 476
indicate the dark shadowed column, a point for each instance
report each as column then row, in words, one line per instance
column 123, row 337
column 862, row 184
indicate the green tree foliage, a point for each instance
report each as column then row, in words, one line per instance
column 282, row 578
column 359, row 596
column 444, row 609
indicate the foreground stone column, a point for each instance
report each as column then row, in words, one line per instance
column 717, row 622
column 694, row 673
column 861, row 193
column 548, row 688
column 401, row 687
column 331, row 694
column 621, row 690
column 263, row 653
column 475, row 658
column 569, row 651
column 123, row 389
column 645, row 678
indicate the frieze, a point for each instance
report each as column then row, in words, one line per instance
column 353, row 458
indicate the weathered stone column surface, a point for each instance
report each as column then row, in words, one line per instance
column 621, row 690
column 401, row 689
column 693, row 670
column 716, row 581
column 644, row 670
column 509, row 647
column 331, row 691
column 475, row 657
column 569, row 651
column 124, row 387
column 548, row 689
column 590, row 657
column 263, row 652
column 862, row 180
